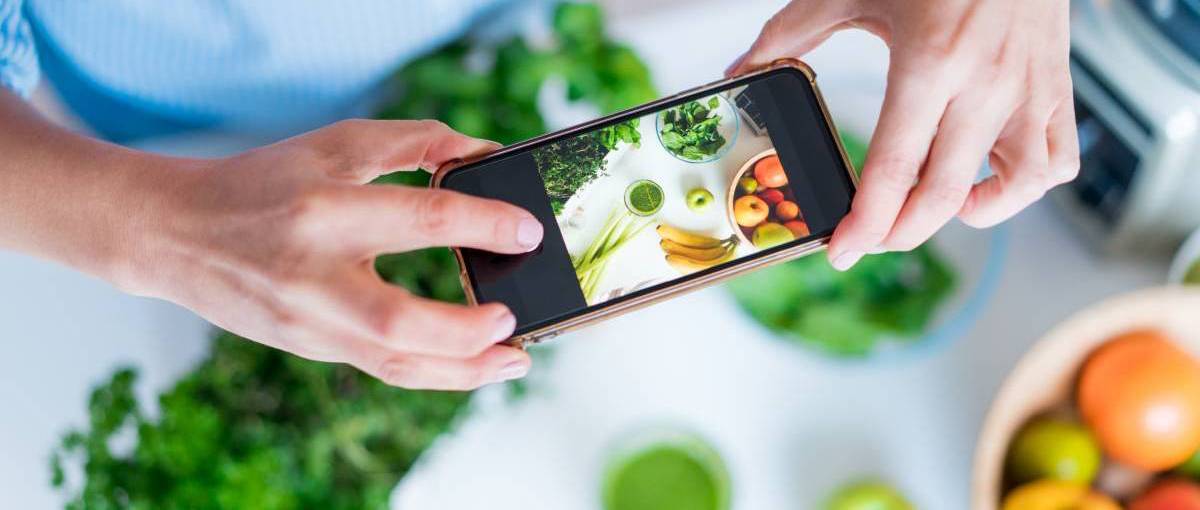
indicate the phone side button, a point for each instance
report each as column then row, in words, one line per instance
column 543, row 337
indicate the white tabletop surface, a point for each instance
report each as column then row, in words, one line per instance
column 790, row 425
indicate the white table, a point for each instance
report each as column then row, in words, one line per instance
column 791, row 426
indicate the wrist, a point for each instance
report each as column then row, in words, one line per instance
column 138, row 234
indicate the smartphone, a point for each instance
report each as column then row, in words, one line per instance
column 660, row 199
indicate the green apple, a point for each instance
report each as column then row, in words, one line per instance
column 868, row 495
column 771, row 234
column 748, row 184
column 1053, row 448
column 699, row 199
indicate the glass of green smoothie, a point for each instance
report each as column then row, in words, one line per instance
column 665, row 469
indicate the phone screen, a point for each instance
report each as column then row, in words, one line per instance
column 655, row 197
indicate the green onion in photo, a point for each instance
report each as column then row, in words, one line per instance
column 617, row 231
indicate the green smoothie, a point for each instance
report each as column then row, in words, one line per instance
column 680, row 473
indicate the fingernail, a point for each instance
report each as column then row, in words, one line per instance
column 504, row 327
column 736, row 64
column 514, row 370
column 529, row 233
column 847, row 260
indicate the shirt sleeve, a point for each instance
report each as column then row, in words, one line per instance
column 18, row 57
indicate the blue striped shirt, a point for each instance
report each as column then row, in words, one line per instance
column 132, row 68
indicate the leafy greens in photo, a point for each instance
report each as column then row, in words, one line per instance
column 569, row 164
column 253, row 427
column 690, row 130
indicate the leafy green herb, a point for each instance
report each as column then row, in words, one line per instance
column 253, row 427
column 887, row 296
column 690, row 130
column 569, row 164
column 500, row 102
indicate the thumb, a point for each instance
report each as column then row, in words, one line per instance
column 801, row 26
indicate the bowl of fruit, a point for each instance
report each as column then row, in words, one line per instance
column 1103, row 413
column 762, row 208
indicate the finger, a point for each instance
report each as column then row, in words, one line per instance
column 496, row 364
column 360, row 150
column 392, row 219
column 912, row 108
column 969, row 129
column 1062, row 140
column 792, row 32
column 1037, row 157
column 365, row 305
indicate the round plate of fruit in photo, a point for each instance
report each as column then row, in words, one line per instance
column 1102, row 414
column 762, row 209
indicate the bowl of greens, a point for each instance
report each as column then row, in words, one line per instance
column 698, row 131
column 890, row 305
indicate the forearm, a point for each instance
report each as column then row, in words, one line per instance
column 75, row 200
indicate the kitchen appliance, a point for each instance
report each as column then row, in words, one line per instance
column 1136, row 71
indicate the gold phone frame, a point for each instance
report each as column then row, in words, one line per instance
column 616, row 309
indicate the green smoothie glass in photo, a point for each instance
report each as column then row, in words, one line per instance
column 665, row 469
column 644, row 197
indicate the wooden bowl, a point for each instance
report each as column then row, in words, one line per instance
column 733, row 187
column 1045, row 376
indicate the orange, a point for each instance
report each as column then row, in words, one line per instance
column 1140, row 394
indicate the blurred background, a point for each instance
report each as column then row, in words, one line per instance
column 884, row 374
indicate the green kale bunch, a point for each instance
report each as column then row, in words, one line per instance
column 253, row 427
column 690, row 130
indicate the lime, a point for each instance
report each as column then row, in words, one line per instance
column 644, row 197
column 1055, row 449
column 868, row 495
column 671, row 473
column 1190, row 467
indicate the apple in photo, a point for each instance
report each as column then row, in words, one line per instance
column 750, row 210
column 771, row 234
column 798, row 227
column 787, row 210
column 748, row 184
column 699, row 199
column 771, row 196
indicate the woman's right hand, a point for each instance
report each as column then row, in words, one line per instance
column 277, row 245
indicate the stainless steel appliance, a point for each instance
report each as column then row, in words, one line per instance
column 1136, row 69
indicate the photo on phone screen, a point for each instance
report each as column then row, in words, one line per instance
column 667, row 194
column 651, row 199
